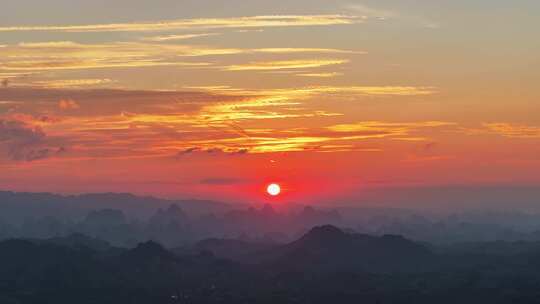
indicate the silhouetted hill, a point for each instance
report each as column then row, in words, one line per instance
column 41, row 265
column 323, row 236
column 236, row 250
column 327, row 248
column 498, row 248
column 326, row 265
column 147, row 265
column 145, row 252
column 81, row 241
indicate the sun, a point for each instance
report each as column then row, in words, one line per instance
column 273, row 189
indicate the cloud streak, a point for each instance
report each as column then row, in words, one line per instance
column 67, row 55
column 384, row 14
column 201, row 23
column 177, row 37
column 513, row 130
column 395, row 127
column 285, row 65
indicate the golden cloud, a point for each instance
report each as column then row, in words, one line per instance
column 68, row 104
column 377, row 125
column 70, row 83
column 395, row 130
column 66, row 55
column 320, row 75
column 177, row 37
column 110, row 123
column 202, row 23
column 513, row 130
column 285, row 65
column 308, row 92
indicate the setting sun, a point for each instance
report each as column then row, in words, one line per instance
column 273, row 189
column 270, row 151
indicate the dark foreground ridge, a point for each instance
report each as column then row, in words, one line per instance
column 325, row 265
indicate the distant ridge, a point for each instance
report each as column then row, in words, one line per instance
column 80, row 241
column 23, row 205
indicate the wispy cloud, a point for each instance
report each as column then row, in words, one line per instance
column 382, row 129
column 372, row 12
column 203, row 23
column 53, row 56
column 380, row 90
column 177, row 37
column 383, row 14
column 368, row 125
column 66, row 55
column 320, row 75
column 69, row 83
column 104, row 102
column 513, row 130
column 285, row 65
column 339, row 138
column 304, row 50
column 300, row 93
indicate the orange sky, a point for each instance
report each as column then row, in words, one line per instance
column 195, row 99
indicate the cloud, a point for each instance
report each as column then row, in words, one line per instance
column 384, row 14
column 378, row 125
column 381, row 90
column 299, row 93
column 14, row 130
column 68, row 104
column 285, row 65
column 66, row 55
column 188, row 151
column 22, row 154
column 100, row 102
column 320, row 75
column 211, row 150
column 408, row 131
column 372, row 12
column 6, row 78
column 513, row 130
column 69, row 83
column 304, row 50
column 240, row 152
column 203, row 23
column 23, row 142
column 120, row 124
column 177, row 37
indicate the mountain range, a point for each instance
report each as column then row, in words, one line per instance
column 325, row 264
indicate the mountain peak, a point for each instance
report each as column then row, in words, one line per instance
column 149, row 249
column 326, row 233
column 329, row 230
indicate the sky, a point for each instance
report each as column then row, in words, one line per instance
column 337, row 101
